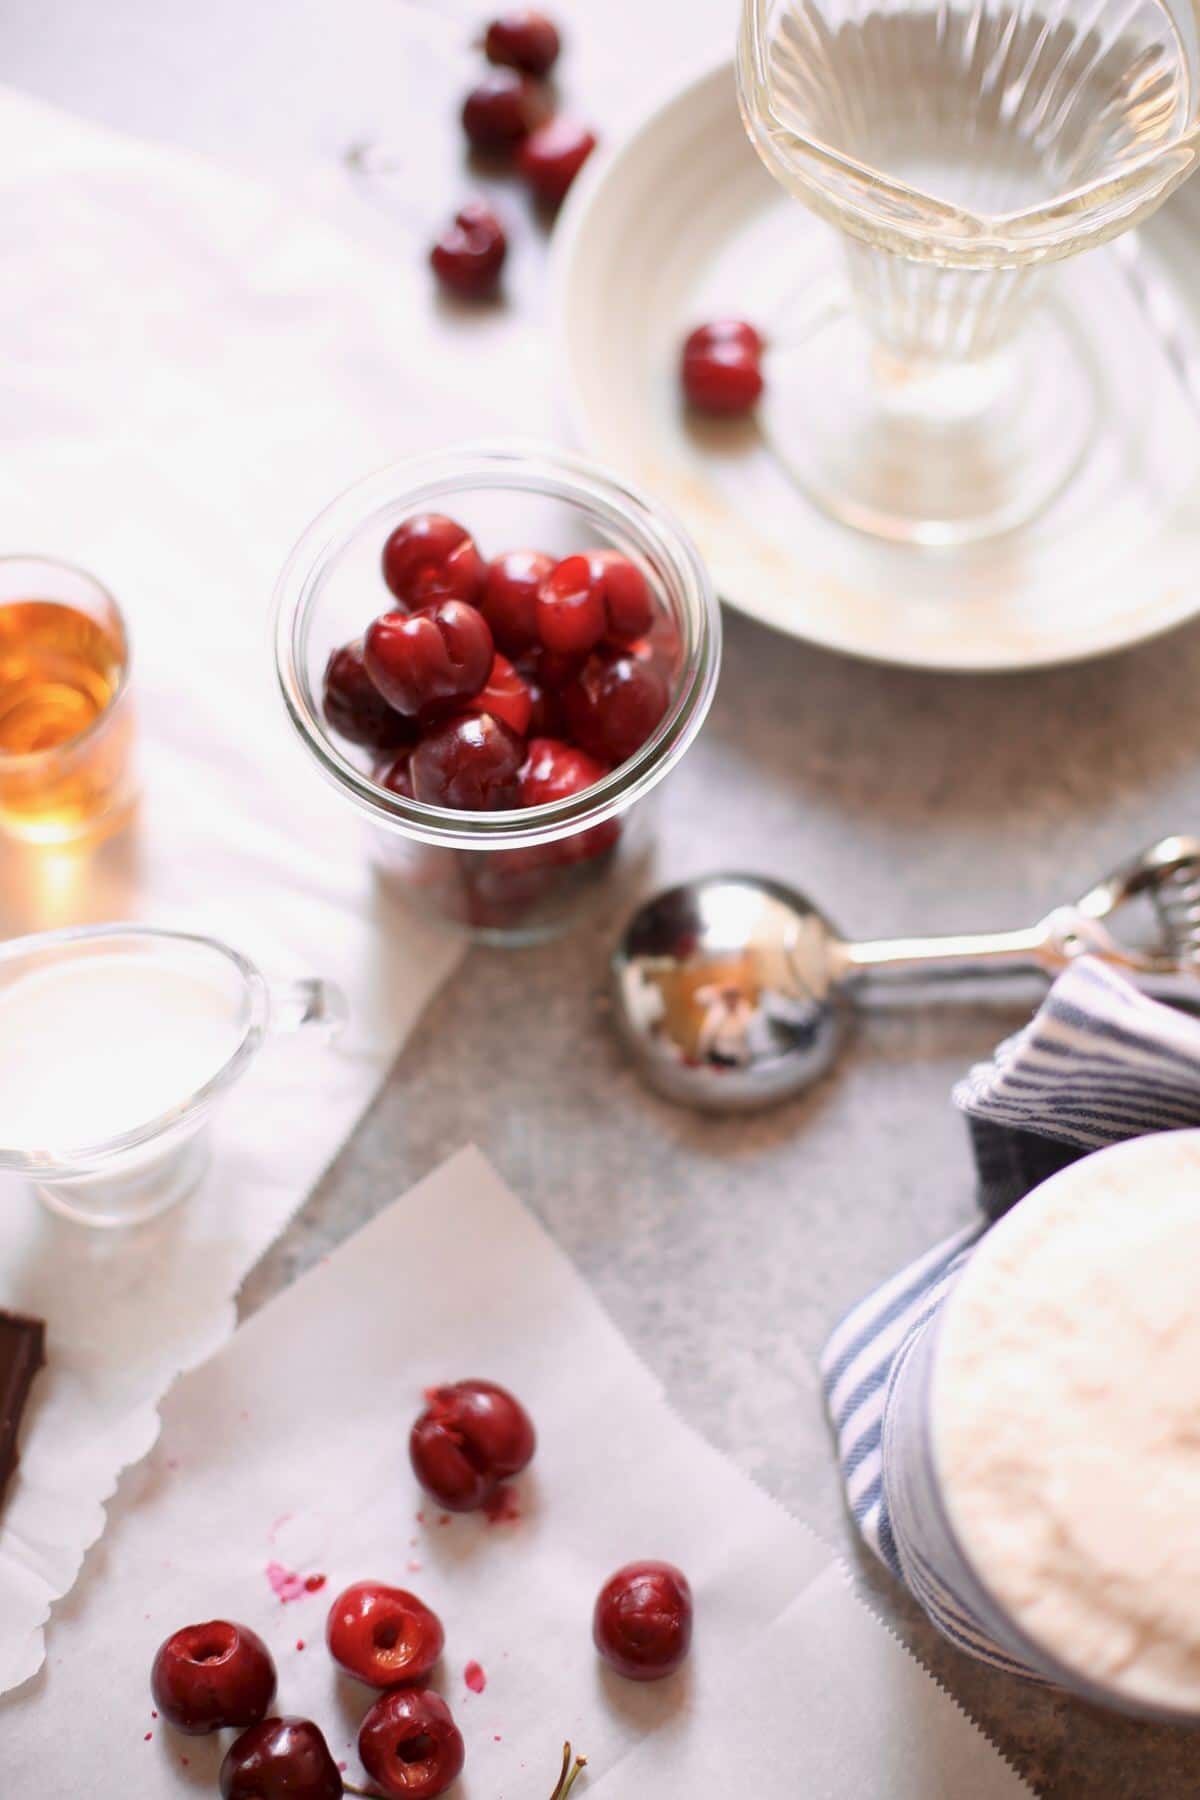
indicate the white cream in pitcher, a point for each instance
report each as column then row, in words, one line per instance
column 95, row 1047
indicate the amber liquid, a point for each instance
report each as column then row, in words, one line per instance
column 62, row 766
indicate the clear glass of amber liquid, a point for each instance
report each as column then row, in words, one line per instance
column 66, row 724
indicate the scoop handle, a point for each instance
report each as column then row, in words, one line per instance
column 312, row 1006
column 1043, row 949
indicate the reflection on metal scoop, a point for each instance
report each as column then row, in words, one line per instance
column 729, row 990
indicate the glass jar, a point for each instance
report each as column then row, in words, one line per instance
column 520, row 876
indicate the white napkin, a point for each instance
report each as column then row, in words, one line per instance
column 288, row 1452
column 188, row 372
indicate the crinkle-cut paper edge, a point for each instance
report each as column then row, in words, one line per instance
column 135, row 1437
column 847, row 1574
column 837, row 1561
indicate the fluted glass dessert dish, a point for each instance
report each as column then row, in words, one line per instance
column 934, row 391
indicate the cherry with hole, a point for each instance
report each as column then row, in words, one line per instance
column 383, row 1635
column 205, row 1677
column 410, row 1746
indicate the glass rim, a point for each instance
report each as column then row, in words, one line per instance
column 496, row 465
column 1028, row 229
column 17, row 761
column 85, row 1159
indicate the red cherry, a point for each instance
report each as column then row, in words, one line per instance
column 615, row 705
column 628, row 602
column 546, row 715
column 472, row 1436
column 523, row 40
column 503, row 109
column 509, row 601
column 642, row 1625
column 431, row 558
column 546, row 673
column 469, row 255
column 410, row 1745
column 384, row 1635
column 570, row 606
column 721, row 367
column 555, row 771
column 471, row 762
column 505, row 696
column 355, row 708
column 208, row 1676
column 419, row 659
column 552, row 156
column 726, row 331
column 552, row 669
column 397, row 777
column 281, row 1759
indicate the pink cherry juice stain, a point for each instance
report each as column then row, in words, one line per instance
column 287, row 1585
column 502, row 1508
column 474, row 1677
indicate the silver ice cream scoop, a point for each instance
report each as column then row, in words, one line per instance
column 731, row 991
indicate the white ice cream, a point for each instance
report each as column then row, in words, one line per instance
column 95, row 1047
column 1066, row 1410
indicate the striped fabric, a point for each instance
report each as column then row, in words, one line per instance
column 1098, row 1063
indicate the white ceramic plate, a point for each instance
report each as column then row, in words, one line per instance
column 682, row 223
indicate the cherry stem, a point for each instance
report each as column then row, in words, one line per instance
column 569, row 1774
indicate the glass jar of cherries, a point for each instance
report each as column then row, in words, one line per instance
column 496, row 654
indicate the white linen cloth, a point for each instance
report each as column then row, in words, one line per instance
column 188, row 371
column 289, row 1450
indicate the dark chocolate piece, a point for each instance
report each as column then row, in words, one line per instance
column 22, row 1353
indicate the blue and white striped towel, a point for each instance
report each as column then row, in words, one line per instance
column 1099, row 1062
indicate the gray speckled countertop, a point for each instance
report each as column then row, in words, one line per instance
column 725, row 1249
